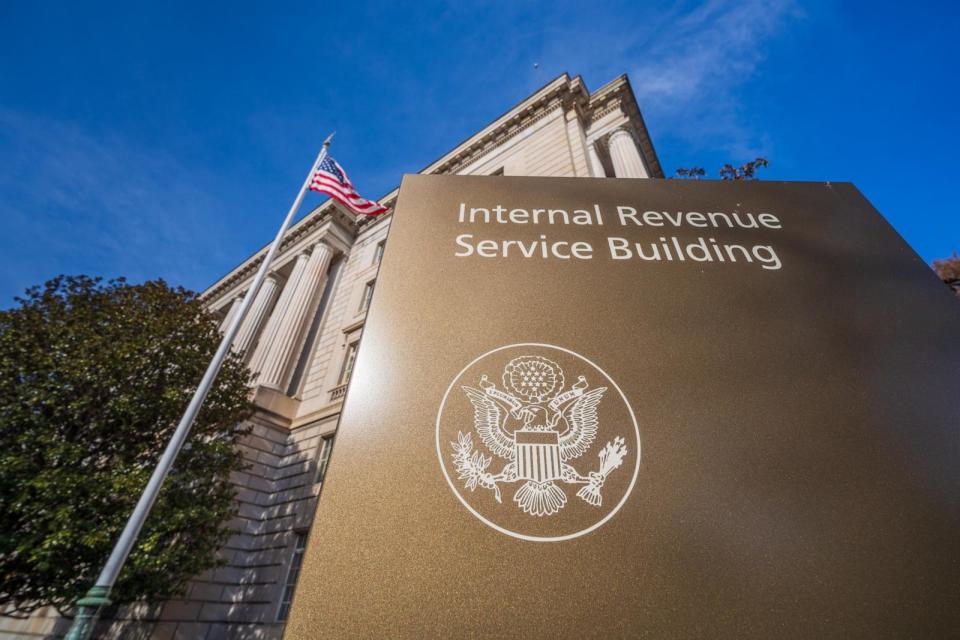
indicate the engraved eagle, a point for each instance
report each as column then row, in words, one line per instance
column 538, row 429
column 580, row 418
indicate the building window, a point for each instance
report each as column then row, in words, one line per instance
column 323, row 458
column 348, row 361
column 367, row 295
column 296, row 560
column 498, row 172
column 378, row 252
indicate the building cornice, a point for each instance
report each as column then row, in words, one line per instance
column 558, row 93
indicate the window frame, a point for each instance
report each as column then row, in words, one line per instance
column 378, row 251
column 323, row 457
column 350, row 357
column 293, row 575
column 367, row 295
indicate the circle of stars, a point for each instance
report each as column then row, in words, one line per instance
column 535, row 379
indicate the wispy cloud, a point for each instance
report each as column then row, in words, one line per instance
column 77, row 201
column 689, row 73
column 688, row 63
column 716, row 45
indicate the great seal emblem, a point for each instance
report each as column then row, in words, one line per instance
column 542, row 430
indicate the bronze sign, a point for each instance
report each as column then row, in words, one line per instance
column 644, row 408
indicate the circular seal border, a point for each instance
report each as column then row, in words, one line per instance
column 514, row 534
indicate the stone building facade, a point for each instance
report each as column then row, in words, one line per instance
column 301, row 337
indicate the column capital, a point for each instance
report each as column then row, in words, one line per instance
column 323, row 243
column 622, row 130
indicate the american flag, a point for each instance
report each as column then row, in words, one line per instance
column 331, row 179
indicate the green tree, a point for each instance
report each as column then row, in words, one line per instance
column 746, row 171
column 93, row 379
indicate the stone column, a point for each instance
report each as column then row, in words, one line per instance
column 257, row 360
column 627, row 162
column 231, row 313
column 287, row 326
column 596, row 167
column 257, row 313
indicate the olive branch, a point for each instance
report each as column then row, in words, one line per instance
column 472, row 465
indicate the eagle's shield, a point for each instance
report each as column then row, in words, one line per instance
column 538, row 455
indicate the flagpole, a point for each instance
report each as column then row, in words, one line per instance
column 99, row 595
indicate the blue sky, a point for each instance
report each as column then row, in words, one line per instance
column 167, row 139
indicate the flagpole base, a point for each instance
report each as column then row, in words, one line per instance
column 88, row 613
